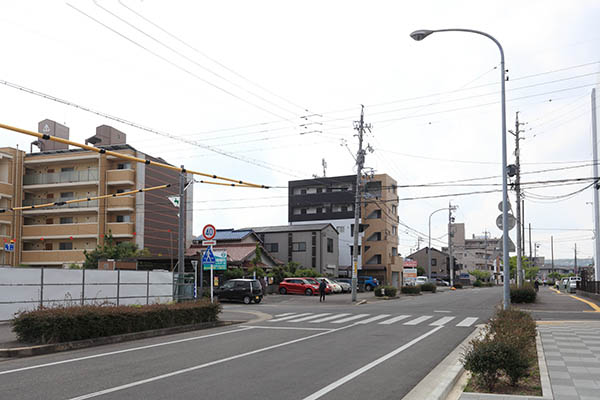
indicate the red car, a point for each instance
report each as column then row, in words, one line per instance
column 298, row 285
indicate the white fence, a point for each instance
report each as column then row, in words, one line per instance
column 29, row 288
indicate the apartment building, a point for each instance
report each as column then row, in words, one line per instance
column 57, row 236
column 331, row 200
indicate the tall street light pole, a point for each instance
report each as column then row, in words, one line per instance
column 429, row 248
column 422, row 34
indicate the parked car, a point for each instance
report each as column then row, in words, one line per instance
column 441, row 282
column 245, row 290
column 572, row 286
column 334, row 287
column 369, row 282
column 298, row 286
column 346, row 287
column 421, row 280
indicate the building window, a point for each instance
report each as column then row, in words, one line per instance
column 272, row 247
column 375, row 237
column 120, row 190
column 298, row 246
column 434, row 262
column 344, row 208
column 303, row 211
column 314, row 262
column 314, row 239
column 376, row 259
column 394, row 230
column 125, row 165
column 290, row 246
column 67, row 169
column 49, row 221
column 394, row 209
column 375, row 214
column 66, row 220
column 329, row 245
column 66, row 195
column 340, row 228
column 394, row 251
column 123, row 218
column 319, row 190
column 303, row 191
column 65, row 246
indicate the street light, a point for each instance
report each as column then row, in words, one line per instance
column 422, row 34
column 429, row 248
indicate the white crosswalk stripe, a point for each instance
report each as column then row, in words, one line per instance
column 417, row 321
column 467, row 321
column 329, row 318
column 373, row 319
column 284, row 314
column 309, row 317
column 289, row 317
column 348, row 319
column 442, row 321
column 393, row 320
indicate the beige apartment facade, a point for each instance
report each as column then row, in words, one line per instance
column 57, row 236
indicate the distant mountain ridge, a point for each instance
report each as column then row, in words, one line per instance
column 569, row 262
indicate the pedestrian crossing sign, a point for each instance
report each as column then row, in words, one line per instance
column 208, row 258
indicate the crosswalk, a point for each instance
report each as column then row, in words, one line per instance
column 381, row 319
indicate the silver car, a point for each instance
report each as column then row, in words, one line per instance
column 346, row 287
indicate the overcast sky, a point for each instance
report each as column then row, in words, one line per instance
column 239, row 76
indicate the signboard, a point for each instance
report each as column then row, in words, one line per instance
column 209, row 232
column 174, row 200
column 410, row 264
column 208, row 258
column 9, row 247
column 220, row 264
column 209, row 243
column 409, row 275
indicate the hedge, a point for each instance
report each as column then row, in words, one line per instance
column 523, row 294
column 410, row 289
column 428, row 287
column 477, row 283
column 389, row 291
column 64, row 324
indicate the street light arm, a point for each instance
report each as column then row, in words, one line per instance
column 429, row 246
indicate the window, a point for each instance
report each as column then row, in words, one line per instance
column 376, row 259
column 344, row 208
column 125, row 165
column 314, row 262
column 298, row 246
column 394, row 230
column 242, row 285
column 374, row 237
column 66, row 220
column 66, row 195
column 394, row 251
column 314, row 239
column 319, row 190
column 394, row 209
column 123, row 218
column 375, row 214
column 303, row 211
column 120, row 190
column 272, row 247
column 67, row 169
column 49, row 221
column 329, row 245
column 340, row 228
column 302, row 191
column 48, row 246
column 50, row 196
column 65, row 246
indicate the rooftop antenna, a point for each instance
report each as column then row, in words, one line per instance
column 324, row 164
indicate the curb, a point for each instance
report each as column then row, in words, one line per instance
column 81, row 344
column 440, row 381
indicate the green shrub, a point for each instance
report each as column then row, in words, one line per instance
column 489, row 284
column 524, row 294
column 381, row 291
column 64, row 324
column 410, row 289
column 458, row 285
column 307, row 273
column 516, row 327
column 477, row 283
column 428, row 287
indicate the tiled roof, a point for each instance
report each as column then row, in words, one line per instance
column 236, row 252
column 229, row 234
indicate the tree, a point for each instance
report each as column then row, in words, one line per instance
column 421, row 271
column 257, row 256
column 111, row 249
column 525, row 262
column 531, row 272
column 481, row 275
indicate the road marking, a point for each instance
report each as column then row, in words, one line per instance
column 209, row 364
column 467, row 321
column 418, row 320
column 442, row 311
column 372, row 319
column 291, row 328
column 442, row 321
column 122, row 351
column 589, row 303
column 329, row 318
column 395, row 319
column 348, row 319
column 367, row 367
column 290, row 317
column 284, row 314
column 309, row 317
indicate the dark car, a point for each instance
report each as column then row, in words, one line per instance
column 246, row 290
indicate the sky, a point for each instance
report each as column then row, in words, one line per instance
column 263, row 91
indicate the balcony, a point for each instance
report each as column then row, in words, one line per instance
column 121, row 203
column 66, row 178
column 6, row 189
column 120, row 177
column 91, row 205
column 57, row 231
column 121, row 229
column 40, row 257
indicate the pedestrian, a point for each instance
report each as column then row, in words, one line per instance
column 322, row 288
column 536, row 284
column 266, row 285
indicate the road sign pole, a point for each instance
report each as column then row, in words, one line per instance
column 212, row 267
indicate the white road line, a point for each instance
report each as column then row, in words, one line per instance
column 309, row 317
column 299, row 328
column 206, row 365
column 329, row 318
column 121, row 351
column 348, row 319
column 395, row 319
column 284, row 314
column 442, row 321
column 367, row 367
column 289, row 317
column 467, row 321
column 442, row 311
column 418, row 320
column 372, row 319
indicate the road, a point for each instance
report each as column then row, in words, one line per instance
column 307, row 350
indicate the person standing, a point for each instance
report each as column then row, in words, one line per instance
column 322, row 289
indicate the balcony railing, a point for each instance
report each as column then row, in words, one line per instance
column 83, row 204
column 89, row 175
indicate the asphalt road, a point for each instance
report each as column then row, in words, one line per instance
column 307, row 350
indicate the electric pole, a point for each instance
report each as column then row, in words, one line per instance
column 450, row 235
column 181, row 236
column 530, row 243
column 595, row 189
column 552, row 251
column 518, row 193
column 360, row 127
column 485, row 233
column 575, row 263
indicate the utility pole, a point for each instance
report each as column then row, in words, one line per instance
column 359, row 126
column 552, row 250
column 450, row 235
column 523, row 226
column 518, row 193
column 180, row 235
column 485, row 233
column 530, row 243
column 575, row 263
column 595, row 188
